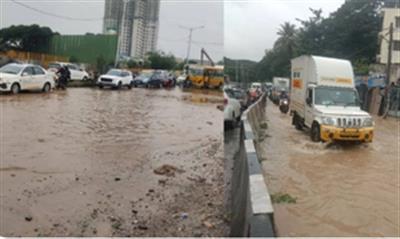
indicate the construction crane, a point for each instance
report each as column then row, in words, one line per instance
column 204, row 53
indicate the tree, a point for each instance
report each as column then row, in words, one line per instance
column 159, row 60
column 25, row 38
column 287, row 38
column 132, row 64
column 179, row 66
column 350, row 33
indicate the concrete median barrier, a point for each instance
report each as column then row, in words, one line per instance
column 252, row 211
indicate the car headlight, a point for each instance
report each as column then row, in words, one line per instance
column 368, row 122
column 328, row 121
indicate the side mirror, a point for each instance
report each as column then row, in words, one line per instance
column 308, row 101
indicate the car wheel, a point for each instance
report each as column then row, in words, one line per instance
column 46, row 88
column 147, row 85
column 315, row 132
column 15, row 88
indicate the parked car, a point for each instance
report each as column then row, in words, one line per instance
column 15, row 77
column 116, row 78
column 232, row 108
column 241, row 96
column 143, row 78
column 76, row 72
column 151, row 78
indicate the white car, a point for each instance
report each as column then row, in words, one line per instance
column 232, row 108
column 76, row 72
column 116, row 78
column 16, row 77
column 181, row 79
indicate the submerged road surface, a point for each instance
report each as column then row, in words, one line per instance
column 341, row 189
column 90, row 162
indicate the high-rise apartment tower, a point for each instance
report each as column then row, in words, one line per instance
column 136, row 22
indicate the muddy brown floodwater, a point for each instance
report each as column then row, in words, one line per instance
column 341, row 189
column 88, row 162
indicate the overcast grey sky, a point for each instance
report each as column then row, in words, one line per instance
column 251, row 26
column 173, row 13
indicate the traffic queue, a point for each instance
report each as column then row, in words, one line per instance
column 17, row 77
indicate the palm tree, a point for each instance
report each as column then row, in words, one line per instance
column 287, row 38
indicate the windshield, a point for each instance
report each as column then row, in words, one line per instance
column 146, row 74
column 114, row 73
column 336, row 96
column 196, row 72
column 11, row 69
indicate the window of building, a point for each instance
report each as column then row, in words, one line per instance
column 396, row 45
column 397, row 22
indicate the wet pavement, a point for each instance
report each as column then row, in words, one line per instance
column 340, row 189
column 89, row 162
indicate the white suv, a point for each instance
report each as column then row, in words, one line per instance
column 76, row 72
column 16, row 77
column 116, row 78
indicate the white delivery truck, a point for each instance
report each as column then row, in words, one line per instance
column 324, row 99
column 281, row 83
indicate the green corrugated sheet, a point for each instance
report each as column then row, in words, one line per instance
column 85, row 48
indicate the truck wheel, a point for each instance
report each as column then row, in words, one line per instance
column 315, row 132
column 297, row 122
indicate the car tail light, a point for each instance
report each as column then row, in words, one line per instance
column 225, row 101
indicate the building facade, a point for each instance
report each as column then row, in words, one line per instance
column 391, row 15
column 136, row 22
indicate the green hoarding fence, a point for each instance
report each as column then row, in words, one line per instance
column 85, row 48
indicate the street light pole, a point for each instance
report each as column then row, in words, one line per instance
column 191, row 29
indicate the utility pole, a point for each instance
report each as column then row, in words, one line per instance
column 191, row 29
column 389, row 60
column 389, row 64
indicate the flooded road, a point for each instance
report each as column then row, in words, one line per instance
column 90, row 162
column 340, row 190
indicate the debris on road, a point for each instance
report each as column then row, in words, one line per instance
column 168, row 170
column 208, row 224
column 184, row 215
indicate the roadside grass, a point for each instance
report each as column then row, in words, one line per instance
column 264, row 125
column 283, row 198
